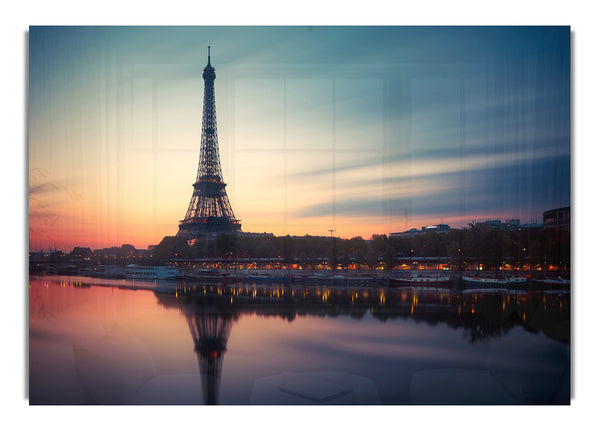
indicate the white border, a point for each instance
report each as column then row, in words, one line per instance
column 15, row 21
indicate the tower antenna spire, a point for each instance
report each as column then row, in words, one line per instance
column 208, row 54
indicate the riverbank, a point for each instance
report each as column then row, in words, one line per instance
column 327, row 278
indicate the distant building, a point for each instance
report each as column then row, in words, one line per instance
column 493, row 224
column 532, row 225
column 559, row 218
column 436, row 228
column 407, row 233
column 512, row 224
column 439, row 228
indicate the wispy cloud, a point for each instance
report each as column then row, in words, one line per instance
column 438, row 162
column 526, row 188
column 43, row 188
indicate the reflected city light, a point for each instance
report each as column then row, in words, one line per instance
column 228, row 326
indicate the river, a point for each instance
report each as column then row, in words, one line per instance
column 94, row 341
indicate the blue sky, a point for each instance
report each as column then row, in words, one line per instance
column 359, row 129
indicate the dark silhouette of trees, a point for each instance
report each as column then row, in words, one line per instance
column 476, row 244
column 57, row 257
column 80, row 253
column 172, row 247
column 456, row 254
column 226, row 245
column 127, row 251
column 203, row 249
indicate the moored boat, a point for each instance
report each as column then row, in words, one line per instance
column 151, row 272
column 495, row 282
column 62, row 270
column 554, row 282
column 419, row 280
column 210, row 276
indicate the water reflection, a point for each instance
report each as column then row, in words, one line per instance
column 210, row 327
column 211, row 311
column 482, row 315
column 115, row 342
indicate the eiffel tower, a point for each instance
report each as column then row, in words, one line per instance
column 209, row 212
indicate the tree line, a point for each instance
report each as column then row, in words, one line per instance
column 476, row 244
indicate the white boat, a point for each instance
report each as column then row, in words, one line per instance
column 418, row 280
column 551, row 282
column 210, row 275
column 495, row 282
column 151, row 272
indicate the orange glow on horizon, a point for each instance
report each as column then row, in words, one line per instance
column 64, row 234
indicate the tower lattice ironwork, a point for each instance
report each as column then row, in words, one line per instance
column 209, row 212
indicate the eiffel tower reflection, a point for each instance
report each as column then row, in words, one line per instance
column 210, row 330
column 210, row 326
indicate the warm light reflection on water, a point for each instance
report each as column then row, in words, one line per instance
column 119, row 342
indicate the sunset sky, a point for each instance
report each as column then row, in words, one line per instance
column 364, row 130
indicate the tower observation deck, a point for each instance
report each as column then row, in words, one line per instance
column 209, row 212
